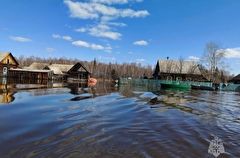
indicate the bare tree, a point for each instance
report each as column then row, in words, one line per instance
column 192, row 68
column 169, row 66
column 98, row 69
column 212, row 58
column 180, row 65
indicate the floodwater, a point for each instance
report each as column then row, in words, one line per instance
column 116, row 122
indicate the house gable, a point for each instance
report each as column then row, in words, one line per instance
column 78, row 67
column 8, row 58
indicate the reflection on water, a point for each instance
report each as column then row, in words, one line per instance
column 106, row 121
column 6, row 93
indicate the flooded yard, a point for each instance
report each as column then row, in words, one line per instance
column 116, row 122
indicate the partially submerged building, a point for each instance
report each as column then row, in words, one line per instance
column 63, row 71
column 59, row 70
column 78, row 71
column 25, row 74
column 9, row 67
column 235, row 80
column 178, row 71
column 69, row 72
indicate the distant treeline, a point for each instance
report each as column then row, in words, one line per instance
column 98, row 69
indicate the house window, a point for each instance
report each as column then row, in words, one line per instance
column 189, row 79
column 179, row 79
column 5, row 71
column 7, row 61
column 169, row 78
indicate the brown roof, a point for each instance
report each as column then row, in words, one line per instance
column 79, row 66
column 173, row 66
column 59, row 69
column 37, row 66
column 5, row 54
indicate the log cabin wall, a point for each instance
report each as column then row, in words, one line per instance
column 27, row 75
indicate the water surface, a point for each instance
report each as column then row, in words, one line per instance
column 117, row 122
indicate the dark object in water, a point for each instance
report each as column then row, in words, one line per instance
column 81, row 97
column 199, row 87
column 154, row 101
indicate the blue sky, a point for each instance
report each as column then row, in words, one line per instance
column 120, row 30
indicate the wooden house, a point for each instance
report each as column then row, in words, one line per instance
column 9, row 68
column 69, row 72
column 7, row 62
column 78, row 72
column 178, row 71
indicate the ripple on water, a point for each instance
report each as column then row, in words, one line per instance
column 119, row 125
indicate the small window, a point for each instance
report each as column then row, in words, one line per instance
column 7, row 61
column 189, row 79
column 5, row 71
column 169, row 78
column 179, row 79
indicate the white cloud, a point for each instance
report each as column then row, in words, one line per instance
column 92, row 46
column 141, row 43
column 231, row 52
column 80, row 43
column 193, row 58
column 82, row 29
column 92, row 10
column 103, row 13
column 104, row 31
column 57, row 36
column 50, row 50
column 101, row 30
column 133, row 14
column 81, row 10
column 67, row 38
column 117, row 24
column 20, row 39
column 111, row 1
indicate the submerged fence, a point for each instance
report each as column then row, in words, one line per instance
column 232, row 87
column 157, row 83
column 144, row 82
